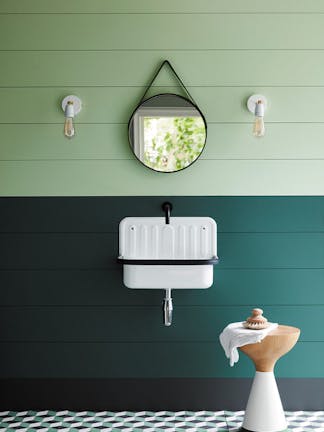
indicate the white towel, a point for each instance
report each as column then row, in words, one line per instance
column 236, row 335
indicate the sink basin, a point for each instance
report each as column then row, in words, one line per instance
column 156, row 255
column 168, row 276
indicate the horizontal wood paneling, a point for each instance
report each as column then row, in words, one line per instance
column 105, row 288
column 59, row 322
column 116, row 104
column 228, row 31
column 245, row 177
column 100, row 250
column 110, row 59
column 168, row 6
column 225, row 141
column 111, row 142
column 51, row 251
column 144, row 360
column 64, row 310
column 97, row 324
column 100, row 214
column 198, row 68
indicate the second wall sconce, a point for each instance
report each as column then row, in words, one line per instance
column 71, row 105
column 257, row 104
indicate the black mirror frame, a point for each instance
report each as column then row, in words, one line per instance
column 150, row 98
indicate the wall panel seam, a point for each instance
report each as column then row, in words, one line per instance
column 166, row 49
column 124, row 123
column 68, row 159
column 164, row 13
column 127, row 342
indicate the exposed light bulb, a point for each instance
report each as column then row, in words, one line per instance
column 258, row 125
column 68, row 124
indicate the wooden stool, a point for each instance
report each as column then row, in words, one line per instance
column 264, row 412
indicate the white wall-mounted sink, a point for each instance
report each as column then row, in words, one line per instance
column 177, row 255
column 168, row 253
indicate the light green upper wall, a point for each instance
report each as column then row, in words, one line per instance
column 106, row 52
column 167, row 6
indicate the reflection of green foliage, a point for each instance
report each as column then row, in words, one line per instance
column 172, row 143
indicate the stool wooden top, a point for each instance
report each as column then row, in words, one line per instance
column 277, row 343
column 282, row 330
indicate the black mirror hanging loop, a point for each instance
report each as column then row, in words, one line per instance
column 167, row 147
column 166, row 62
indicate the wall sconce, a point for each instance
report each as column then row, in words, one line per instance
column 257, row 104
column 71, row 105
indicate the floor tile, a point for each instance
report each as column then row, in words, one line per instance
column 145, row 421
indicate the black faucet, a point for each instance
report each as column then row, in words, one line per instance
column 167, row 207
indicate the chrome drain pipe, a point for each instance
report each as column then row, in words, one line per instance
column 167, row 308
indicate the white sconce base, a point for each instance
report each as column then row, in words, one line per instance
column 264, row 412
column 253, row 100
column 77, row 104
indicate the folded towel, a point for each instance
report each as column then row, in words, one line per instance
column 235, row 335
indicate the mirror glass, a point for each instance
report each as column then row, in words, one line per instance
column 167, row 132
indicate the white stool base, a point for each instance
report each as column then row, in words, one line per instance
column 264, row 412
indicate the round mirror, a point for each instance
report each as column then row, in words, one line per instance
column 167, row 132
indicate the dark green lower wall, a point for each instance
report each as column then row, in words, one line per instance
column 65, row 314
column 151, row 394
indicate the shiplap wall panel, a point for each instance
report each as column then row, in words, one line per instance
column 184, row 31
column 100, row 215
column 225, row 141
column 125, row 177
column 265, row 68
column 168, row 6
column 116, row 104
column 283, row 286
column 66, row 324
column 144, row 360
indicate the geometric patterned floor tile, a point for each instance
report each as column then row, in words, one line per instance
column 144, row 421
column 234, row 419
column 106, row 421
column 301, row 421
column 298, row 421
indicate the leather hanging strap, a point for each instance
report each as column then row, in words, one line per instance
column 166, row 62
